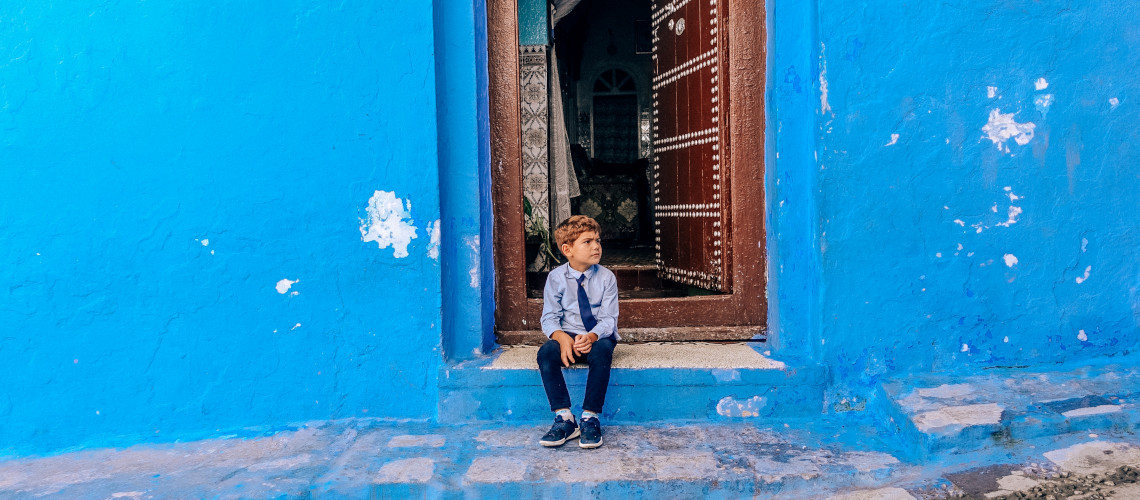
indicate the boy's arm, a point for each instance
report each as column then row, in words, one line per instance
column 551, row 308
column 608, row 314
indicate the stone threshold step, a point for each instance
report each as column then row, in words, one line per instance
column 648, row 382
column 755, row 334
column 953, row 413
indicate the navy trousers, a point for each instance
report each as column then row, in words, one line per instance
column 599, row 358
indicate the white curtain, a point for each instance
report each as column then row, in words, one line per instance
column 563, row 181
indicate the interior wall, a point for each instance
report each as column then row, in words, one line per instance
column 599, row 21
column 215, row 217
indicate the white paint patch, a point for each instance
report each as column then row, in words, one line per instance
column 1012, row 215
column 1095, row 457
column 296, row 326
column 1042, row 103
column 965, row 347
column 991, row 92
column 1002, row 128
column 894, row 140
column 1092, row 410
column 1081, row 336
column 960, row 247
column 824, row 106
column 938, row 255
column 417, row 441
column 1114, row 102
column 1014, row 482
column 473, row 244
column 205, row 242
column 1084, row 244
column 959, row 416
column 731, row 407
column 960, row 222
column 1010, row 260
column 945, row 391
column 433, row 241
column 389, row 223
column 1041, row 84
column 283, row 285
column 128, row 494
column 994, row 208
column 408, row 470
column 1006, row 340
column 496, row 470
column 876, row 494
column 1081, row 279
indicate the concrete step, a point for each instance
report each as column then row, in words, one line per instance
column 648, row 382
column 955, row 413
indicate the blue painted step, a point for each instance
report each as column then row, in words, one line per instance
column 948, row 413
column 481, row 391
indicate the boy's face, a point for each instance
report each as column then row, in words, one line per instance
column 584, row 252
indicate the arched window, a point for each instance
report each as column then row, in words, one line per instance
column 615, row 117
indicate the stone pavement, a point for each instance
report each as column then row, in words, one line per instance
column 844, row 458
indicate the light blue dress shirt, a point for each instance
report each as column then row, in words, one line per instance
column 560, row 301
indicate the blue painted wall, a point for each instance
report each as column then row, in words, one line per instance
column 163, row 167
column 465, row 178
column 954, row 185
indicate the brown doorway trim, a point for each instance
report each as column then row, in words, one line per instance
column 747, row 305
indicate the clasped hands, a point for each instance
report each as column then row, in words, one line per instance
column 571, row 347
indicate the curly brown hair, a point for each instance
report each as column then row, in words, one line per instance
column 570, row 229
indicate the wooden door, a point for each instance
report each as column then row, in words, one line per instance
column 690, row 189
column 740, row 59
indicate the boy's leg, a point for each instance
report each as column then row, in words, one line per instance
column 599, row 358
column 550, row 367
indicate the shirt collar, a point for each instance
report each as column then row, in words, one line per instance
column 574, row 274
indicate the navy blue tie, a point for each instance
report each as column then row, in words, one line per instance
column 588, row 319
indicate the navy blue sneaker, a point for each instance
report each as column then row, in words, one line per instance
column 591, row 433
column 561, row 432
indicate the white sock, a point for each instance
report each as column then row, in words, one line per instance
column 588, row 414
column 566, row 415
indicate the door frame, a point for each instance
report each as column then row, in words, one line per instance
column 747, row 305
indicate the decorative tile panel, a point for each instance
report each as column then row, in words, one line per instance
column 535, row 112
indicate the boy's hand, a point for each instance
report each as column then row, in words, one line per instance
column 583, row 343
column 567, row 346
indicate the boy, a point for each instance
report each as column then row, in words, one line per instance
column 579, row 316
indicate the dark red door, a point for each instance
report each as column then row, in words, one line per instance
column 690, row 189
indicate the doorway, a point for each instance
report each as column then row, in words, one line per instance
column 670, row 160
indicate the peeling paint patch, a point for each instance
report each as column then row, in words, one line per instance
column 1010, row 260
column 947, row 391
column 1094, row 457
column 1042, row 103
column 964, row 416
column 991, row 92
column 284, row 285
column 417, row 441
column 1114, row 102
column 876, row 494
column 496, row 470
column 408, row 470
column 1092, row 410
column 894, row 140
column 1081, row 279
column 389, row 223
column 729, row 406
column 1041, row 84
column 1012, row 215
column 433, row 241
column 1081, row 336
column 205, row 242
column 1002, row 128
column 824, row 106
